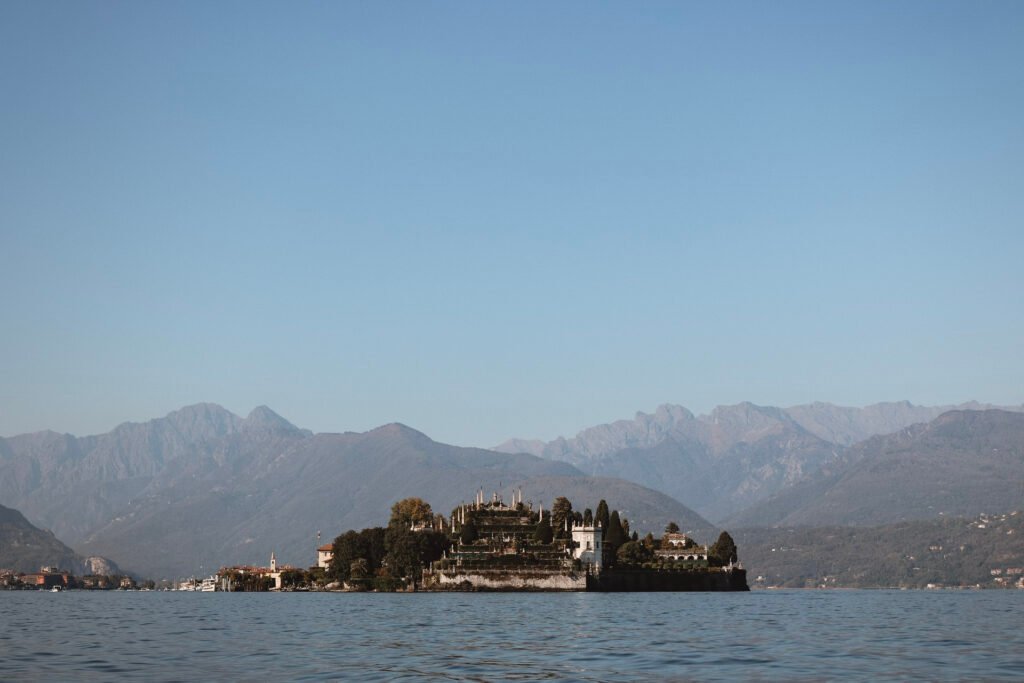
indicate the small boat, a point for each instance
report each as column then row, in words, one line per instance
column 56, row 589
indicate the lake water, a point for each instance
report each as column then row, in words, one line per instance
column 762, row 635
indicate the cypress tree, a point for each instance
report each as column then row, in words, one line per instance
column 615, row 535
column 613, row 539
column 561, row 510
column 723, row 551
column 588, row 517
column 543, row 532
column 468, row 534
column 601, row 516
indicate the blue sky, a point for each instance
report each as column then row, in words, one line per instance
column 490, row 220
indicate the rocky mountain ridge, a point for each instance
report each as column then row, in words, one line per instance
column 841, row 425
column 732, row 458
column 961, row 464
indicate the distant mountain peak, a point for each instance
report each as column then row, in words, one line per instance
column 667, row 413
column 202, row 407
column 200, row 411
column 263, row 418
column 747, row 411
column 196, row 422
column 399, row 429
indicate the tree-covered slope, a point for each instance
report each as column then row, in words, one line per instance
column 950, row 552
column 962, row 463
column 26, row 548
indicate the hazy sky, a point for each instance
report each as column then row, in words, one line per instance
column 488, row 220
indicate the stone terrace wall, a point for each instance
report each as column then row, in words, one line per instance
column 501, row 580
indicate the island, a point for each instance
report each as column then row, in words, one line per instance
column 491, row 544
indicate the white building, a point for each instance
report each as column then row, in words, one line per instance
column 679, row 547
column 588, row 545
column 324, row 555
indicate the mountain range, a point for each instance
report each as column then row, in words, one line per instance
column 202, row 487
column 734, row 457
column 961, row 464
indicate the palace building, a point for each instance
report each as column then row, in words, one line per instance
column 498, row 547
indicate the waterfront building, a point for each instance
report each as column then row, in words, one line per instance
column 588, row 546
column 273, row 572
column 676, row 546
column 47, row 579
column 324, row 555
column 497, row 547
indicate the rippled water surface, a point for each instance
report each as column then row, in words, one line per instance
column 763, row 635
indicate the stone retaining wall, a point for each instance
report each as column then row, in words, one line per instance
column 506, row 581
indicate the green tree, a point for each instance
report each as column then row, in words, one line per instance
column 385, row 581
column 588, row 517
column 633, row 553
column 616, row 534
column 614, row 537
column 625, row 526
column 560, row 512
column 433, row 545
column 352, row 545
column 410, row 551
column 723, row 551
column 602, row 516
column 543, row 533
column 409, row 511
column 468, row 532
column 360, row 569
column 317, row 576
column 292, row 578
column 649, row 541
column 373, row 546
column 347, row 548
column 671, row 528
column 403, row 558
